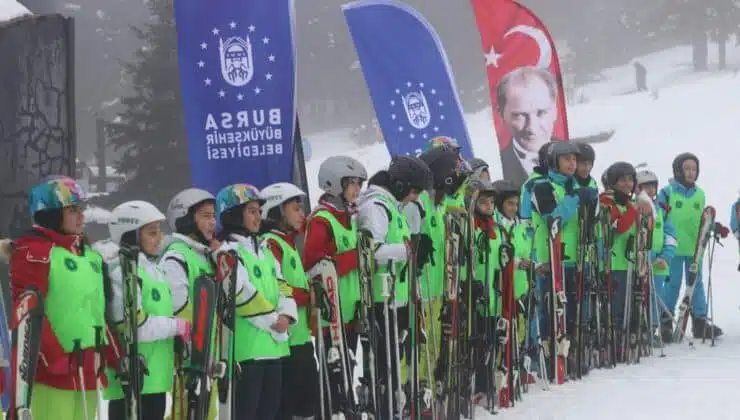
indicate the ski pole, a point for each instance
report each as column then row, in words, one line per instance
column 80, row 360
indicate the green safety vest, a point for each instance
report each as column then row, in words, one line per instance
column 295, row 275
column 619, row 246
column 686, row 217
column 75, row 301
column 659, row 241
column 522, row 243
column 490, row 275
column 433, row 275
column 156, row 300
column 349, row 284
column 568, row 233
column 251, row 342
column 398, row 233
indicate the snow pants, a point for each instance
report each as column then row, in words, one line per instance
column 49, row 403
column 672, row 288
column 619, row 295
column 300, row 383
column 258, row 390
column 153, row 407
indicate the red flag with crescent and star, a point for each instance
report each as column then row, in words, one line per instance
column 513, row 37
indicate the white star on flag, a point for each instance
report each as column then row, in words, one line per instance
column 239, row 97
column 265, row 40
column 207, row 82
column 215, row 31
column 232, row 25
column 271, row 58
column 492, row 57
column 201, row 64
column 221, row 93
column 203, row 45
column 257, row 91
column 251, row 28
column 268, row 76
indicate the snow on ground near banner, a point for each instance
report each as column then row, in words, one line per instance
column 696, row 117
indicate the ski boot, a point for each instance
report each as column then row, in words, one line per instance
column 701, row 328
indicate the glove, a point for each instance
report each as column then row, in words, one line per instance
column 587, row 194
column 721, row 230
column 425, row 250
column 183, row 329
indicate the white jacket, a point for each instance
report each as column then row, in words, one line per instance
column 373, row 215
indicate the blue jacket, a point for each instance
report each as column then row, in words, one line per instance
column 733, row 217
column 669, row 237
column 546, row 204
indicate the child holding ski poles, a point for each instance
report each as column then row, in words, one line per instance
column 379, row 213
column 260, row 341
column 283, row 220
column 617, row 201
column 137, row 224
column 331, row 234
column 554, row 197
column 686, row 202
column 663, row 250
column 486, row 283
column 59, row 281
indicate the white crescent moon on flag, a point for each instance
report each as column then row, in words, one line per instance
column 543, row 43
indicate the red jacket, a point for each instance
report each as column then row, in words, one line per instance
column 29, row 267
column 302, row 297
column 623, row 221
column 320, row 241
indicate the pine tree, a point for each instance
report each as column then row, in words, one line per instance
column 151, row 130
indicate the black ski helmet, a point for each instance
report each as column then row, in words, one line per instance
column 443, row 164
column 558, row 149
column 406, row 173
column 618, row 170
column 477, row 163
column 587, row 153
column 505, row 190
column 542, row 155
column 678, row 163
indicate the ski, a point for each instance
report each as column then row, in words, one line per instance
column 27, row 320
column 367, row 390
column 226, row 265
column 559, row 342
column 131, row 375
column 684, row 309
column 199, row 372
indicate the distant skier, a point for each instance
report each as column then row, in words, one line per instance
column 640, row 77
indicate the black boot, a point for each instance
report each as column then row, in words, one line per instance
column 666, row 330
column 701, row 328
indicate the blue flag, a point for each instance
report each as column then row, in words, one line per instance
column 237, row 72
column 408, row 76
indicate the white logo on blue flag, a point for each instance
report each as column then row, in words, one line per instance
column 422, row 108
column 240, row 56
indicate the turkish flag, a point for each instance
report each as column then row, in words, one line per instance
column 513, row 37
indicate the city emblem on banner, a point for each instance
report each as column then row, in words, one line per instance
column 417, row 111
column 242, row 58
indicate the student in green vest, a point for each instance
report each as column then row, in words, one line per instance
column 261, row 340
column 53, row 258
column 137, row 223
column 617, row 199
column 479, row 168
column 486, row 279
column 380, row 212
column 686, row 202
column 284, row 219
column 191, row 216
column 586, row 158
column 663, row 249
column 331, row 233
column 558, row 195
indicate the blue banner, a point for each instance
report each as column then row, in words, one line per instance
column 408, row 76
column 237, row 72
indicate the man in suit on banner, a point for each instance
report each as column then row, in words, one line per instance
column 527, row 103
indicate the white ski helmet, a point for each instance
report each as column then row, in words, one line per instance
column 336, row 168
column 646, row 176
column 132, row 215
column 277, row 194
column 183, row 201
